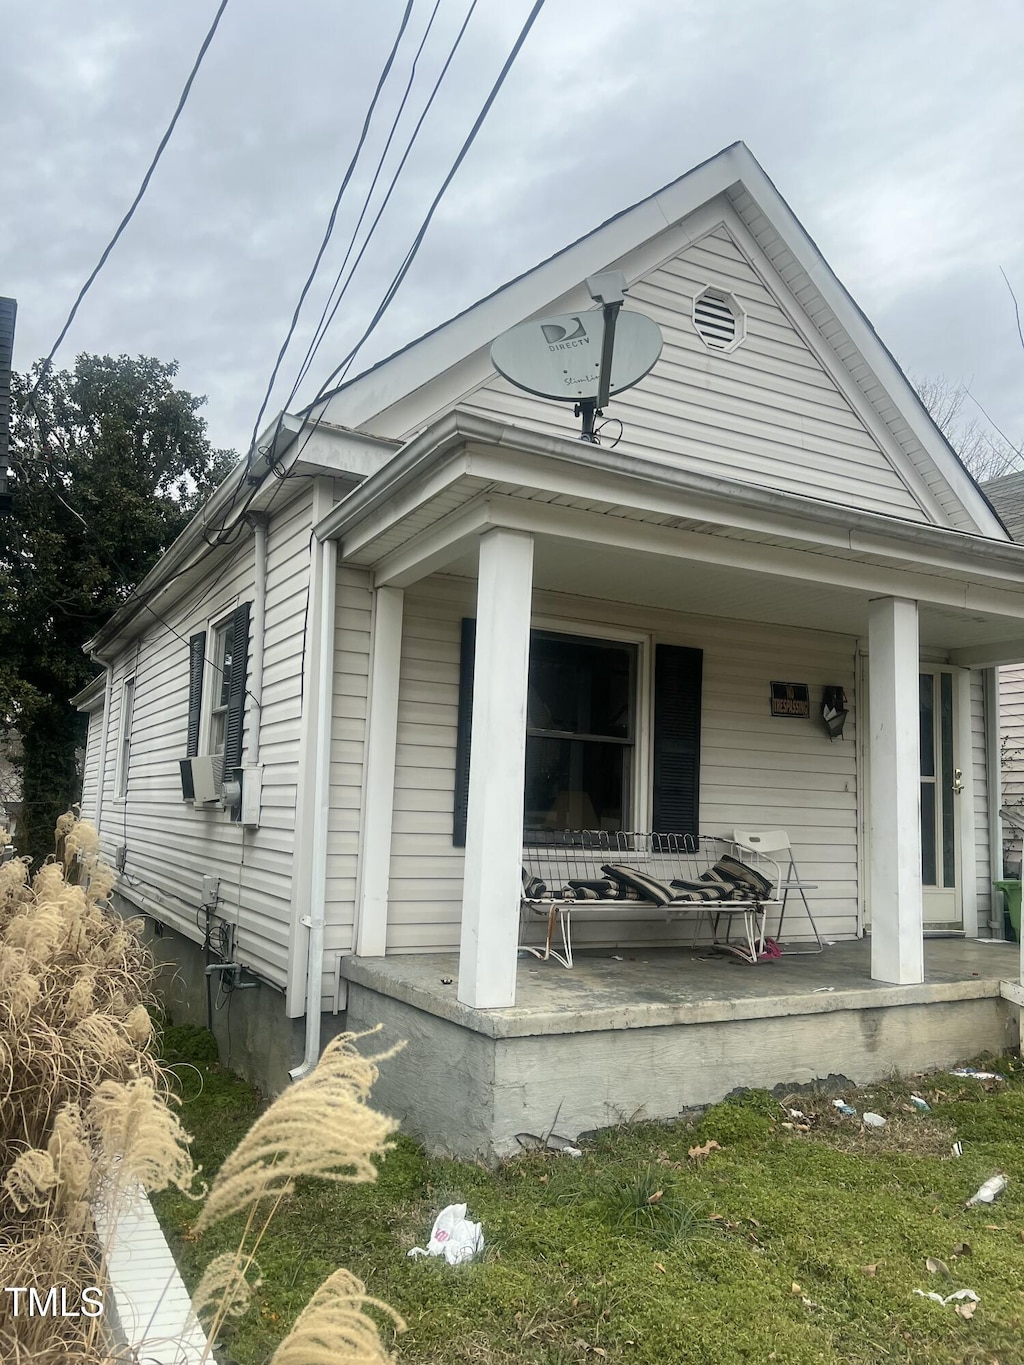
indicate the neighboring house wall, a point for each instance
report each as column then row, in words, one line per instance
column 756, row 771
column 1011, row 736
column 170, row 845
column 977, row 768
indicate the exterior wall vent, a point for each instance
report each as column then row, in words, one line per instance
column 718, row 320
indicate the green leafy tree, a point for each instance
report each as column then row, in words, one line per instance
column 108, row 463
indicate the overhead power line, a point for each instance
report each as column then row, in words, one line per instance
column 325, row 319
column 403, row 270
column 328, row 231
column 182, row 98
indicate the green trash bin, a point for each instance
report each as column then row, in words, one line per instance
column 1011, row 901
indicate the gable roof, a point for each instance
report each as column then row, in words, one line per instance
column 788, row 250
column 1006, row 494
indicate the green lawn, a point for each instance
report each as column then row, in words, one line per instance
column 780, row 1245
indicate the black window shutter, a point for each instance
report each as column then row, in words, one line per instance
column 464, row 730
column 196, row 661
column 236, row 688
column 677, row 687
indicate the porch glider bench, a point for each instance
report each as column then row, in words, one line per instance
column 629, row 875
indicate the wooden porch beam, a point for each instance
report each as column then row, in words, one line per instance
column 989, row 656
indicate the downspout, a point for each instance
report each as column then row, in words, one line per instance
column 101, row 776
column 259, row 622
column 327, row 552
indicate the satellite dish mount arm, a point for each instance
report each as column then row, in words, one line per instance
column 608, row 289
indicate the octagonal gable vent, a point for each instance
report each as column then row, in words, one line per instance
column 718, row 320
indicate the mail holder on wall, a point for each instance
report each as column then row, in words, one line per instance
column 834, row 711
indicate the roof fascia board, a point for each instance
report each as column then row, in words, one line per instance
column 724, row 498
column 382, row 386
column 864, row 337
column 92, row 694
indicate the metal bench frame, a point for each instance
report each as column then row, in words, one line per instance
column 557, row 857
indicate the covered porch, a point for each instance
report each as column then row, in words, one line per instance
column 647, row 1036
column 515, row 517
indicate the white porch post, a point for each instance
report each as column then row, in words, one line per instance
column 894, row 877
column 497, row 766
column 379, row 798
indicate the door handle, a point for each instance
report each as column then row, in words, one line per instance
column 958, row 780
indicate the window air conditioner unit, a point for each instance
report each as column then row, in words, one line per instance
column 200, row 778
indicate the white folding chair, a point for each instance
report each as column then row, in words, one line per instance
column 776, row 842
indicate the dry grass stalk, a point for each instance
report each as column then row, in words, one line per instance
column 74, row 1041
column 321, row 1127
column 224, row 1290
column 140, row 1136
column 333, row 1329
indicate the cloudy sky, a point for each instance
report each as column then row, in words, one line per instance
column 893, row 130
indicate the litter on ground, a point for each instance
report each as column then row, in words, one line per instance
column 453, row 1236
column 874, row 1120
column 989, row 1192
column 968, row 1073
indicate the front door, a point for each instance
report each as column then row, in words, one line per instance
column 941, row 785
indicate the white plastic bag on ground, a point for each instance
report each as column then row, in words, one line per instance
column 453, row 1236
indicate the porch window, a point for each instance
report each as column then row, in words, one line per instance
column 579, row 733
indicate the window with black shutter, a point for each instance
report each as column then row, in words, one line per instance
column 580, row 737
column 677, row 695
column 228, row 660
column 196, row 664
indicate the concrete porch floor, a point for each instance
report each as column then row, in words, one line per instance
column 670, row 986
column 662, row 1031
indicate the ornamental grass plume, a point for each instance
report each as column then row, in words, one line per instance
column 224, row 1290
column 333, row 1329
column 80, row 1090
column 322, row 1126
column 140, row 1136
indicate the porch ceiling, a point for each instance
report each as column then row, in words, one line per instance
column 732, row 593
column 638, row 532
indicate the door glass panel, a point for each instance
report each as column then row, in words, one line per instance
column 946, row 790
column 927, row 726
column 928, row 833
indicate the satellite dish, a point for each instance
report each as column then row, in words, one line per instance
column 560, row 357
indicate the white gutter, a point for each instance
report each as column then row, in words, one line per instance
column 327, row 566
column 458, row 428
column 259, row 625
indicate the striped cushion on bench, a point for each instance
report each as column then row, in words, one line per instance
column 707, row 889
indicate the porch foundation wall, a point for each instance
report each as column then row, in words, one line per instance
column 255, row 1038
column 465, row 1093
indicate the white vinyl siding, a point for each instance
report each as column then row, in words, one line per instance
column 352, row 616
column 756, row 771
column 766, row 413
column 91, row 763
column 170, row 845
column 1011, row 745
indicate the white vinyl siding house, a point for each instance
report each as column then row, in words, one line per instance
column 777, row 510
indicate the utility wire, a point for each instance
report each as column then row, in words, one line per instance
column 328, row 232
column 45, row 368
column 321, row 327
column 315, row 345
column 404, row 268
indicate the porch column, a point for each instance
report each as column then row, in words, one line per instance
column 894, row 876
column 379, row 799
column 497, row 766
